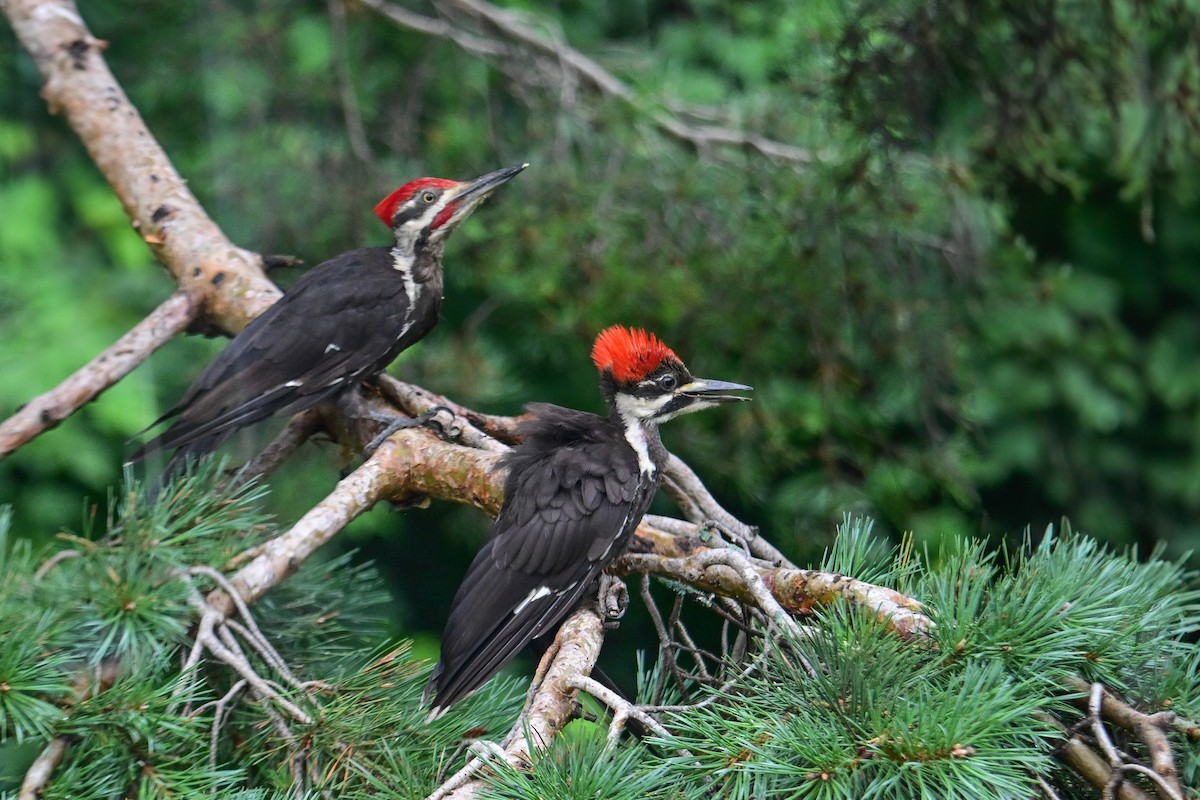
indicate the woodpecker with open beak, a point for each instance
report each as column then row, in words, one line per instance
column 576, row 488
column 339, row 324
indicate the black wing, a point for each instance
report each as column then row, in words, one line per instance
column 568, row 513
column 322, row 335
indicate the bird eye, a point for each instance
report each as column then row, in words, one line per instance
column 428, row 198
column 668, row 383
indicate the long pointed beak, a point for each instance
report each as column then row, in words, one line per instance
column 466, row 197
column 711, row 391
column 484, row 185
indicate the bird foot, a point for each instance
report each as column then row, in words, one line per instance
column 394, row 424
column 613, row 599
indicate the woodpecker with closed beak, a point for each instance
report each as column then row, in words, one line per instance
column 338, row 325
column 576, row 488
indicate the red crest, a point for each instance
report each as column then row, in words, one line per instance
column 386, row 209
column 629, row 354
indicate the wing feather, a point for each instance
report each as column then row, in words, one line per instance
column 564, row 519
column 262, row 372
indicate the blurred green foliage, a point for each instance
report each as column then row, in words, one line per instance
column 974, row 309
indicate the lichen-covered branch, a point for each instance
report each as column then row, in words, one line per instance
column 797, row 591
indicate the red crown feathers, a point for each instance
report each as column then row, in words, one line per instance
column 386, row 209
column 629, row 354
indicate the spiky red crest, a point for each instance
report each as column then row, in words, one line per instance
column 386, row 209
column 629, row 354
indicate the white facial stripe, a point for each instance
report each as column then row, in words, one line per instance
column 636, row 413
column 536, row 594
column 408, row 233
column 632, row 408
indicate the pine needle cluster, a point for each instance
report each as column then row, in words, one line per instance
column 96, row 636
column 980, row 710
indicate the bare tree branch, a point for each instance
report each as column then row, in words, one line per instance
column 42, row 769
column 416, row 400
column 796, row 591
column 1075, row 753
column 575, row 650
column 78, row 84
column 622, row 709
column 412, row 462
column 37, row 777
column 47, row 410
column 1150, row 729
column 682, row 484
column 297, row 431
column 522, row 42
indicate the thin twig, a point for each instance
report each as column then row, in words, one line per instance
column 666, row 641
column 484, row 752
column 47, row 410
column 1097, row 723
column 1089, row 764
column 250, row 632
column 37, row 777
column 512, row 25
column 217, row 640
column 297, row 431
column 1150, row 729
column 220, row 709
column 351, row 111
column 1046, row 788
column 617, row 704
column 53, row 561
column 484, row 431
column 684, row 486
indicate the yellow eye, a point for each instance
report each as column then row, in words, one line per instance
column 428, row 198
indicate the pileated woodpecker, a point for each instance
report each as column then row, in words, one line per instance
column 576, row 488
column 339, row 324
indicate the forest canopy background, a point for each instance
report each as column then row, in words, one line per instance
column 967, row 301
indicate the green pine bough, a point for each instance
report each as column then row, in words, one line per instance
column 1054, row 669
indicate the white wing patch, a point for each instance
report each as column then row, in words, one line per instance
column 331, row 347
column 536, row 594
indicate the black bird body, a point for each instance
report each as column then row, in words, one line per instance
column 339, row 324
column 576, row 488
column 342, row 322
column 573, row 498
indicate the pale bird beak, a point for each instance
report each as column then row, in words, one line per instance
column 711, row 391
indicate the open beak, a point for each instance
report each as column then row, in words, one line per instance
column 713, row 391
